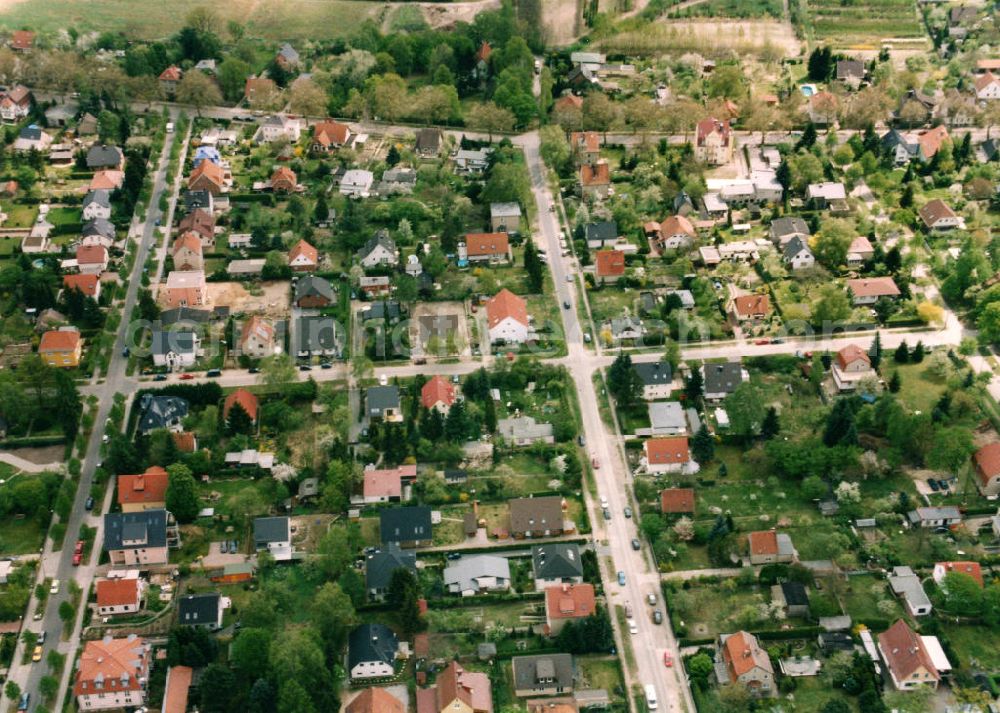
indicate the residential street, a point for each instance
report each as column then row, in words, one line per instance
column 59, row 564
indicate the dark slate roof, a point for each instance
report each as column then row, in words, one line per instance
column 99, row 226
column 198, row 610
column 405, row 524
column 681, row 200
column 795, row 593
column 788, row 225
column 381, row 564
column 311, row 285
column 794, row 246
column 316, row 333
column 723, row 378
column 371, row 642
column 558, row 667
column 159, row 411
column 383, row 309
column 893, row 138
column 100, row 196
column 850, row 68
column 165, row 342
column 184, row 314
column 428, row 140
column 270, row 529
column 653, row 373
column 605, row 230
column 31, row 133
column 382, row 397
column 101, row 156
column 197, row 199
column 556, row 561
column 991, row 147
column 148, row 525
column 380, row 238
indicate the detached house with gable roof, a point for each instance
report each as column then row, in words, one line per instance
column 713, row 141
column 742, row 661
column 456, row 691
column 771, row 547
column 868, row 291
column 910, row 657
column 567, row 602
column 666, row 455
column 119, row 595
column 657, row 379
column 61, row 347
column 112, row 673
column 379, row 568
column 273, row 534
column 536, row 517
column 938, row 216
column 406, row 526
column 852, row 365
column 371, row 652
column 257, row 338
column 987, row 463
column 477, row 574
column 437, row 393
column 507, row 318
column 720, row 380
column 147, row 491
column 595, row 179
column 487, row 247
column 329, row 135
column 136, row 538
column 750, row 308
column 556, row 563
column 303, row 257
column 380, row 250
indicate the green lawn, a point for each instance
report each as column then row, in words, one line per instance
column 920, row 389
column 976, row 642
column 20, row 536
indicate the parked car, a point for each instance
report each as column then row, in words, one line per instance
column 213, row 373
column 668, row 660
column 932, row 482
column 565, row 304
column 607, row 514
column 22, row 705
column 636, row 545
column 305, row 367
column 594, row 462
column 160, row 377
column 326, row 365
column 89, row 504
column 77, row 559
column 621, row 578
column 253, row 370
column 651, row 598
column 36, row 655
column 454, row 555
column 581, row 440
column 186, row 376
column 54, row 589
column 632, row 628
column 628, row 511
column 657, row 617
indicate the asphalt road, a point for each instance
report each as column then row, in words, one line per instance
column 59, row 564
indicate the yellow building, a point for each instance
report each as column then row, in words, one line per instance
column 61, row 348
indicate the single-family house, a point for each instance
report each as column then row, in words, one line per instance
column 273, row 534
column 487, row 247
column 568, row 602
column 851, row 72
column 136, row 538
column 383, row 485
column 119, row 595
column 595, row 179
column 477, row 574
column 200, row 611
column 720, row 380
column 713, row 141
column 406, row 526
column 15, row 104
column 375, row 700
column 207, row 176
column 397, row 180
column 797, row 255
column 656, row 377
column 937, row 215
column 742, row 661
column 112, row 673
column 437, row 393
column 146, row 491
column 357, row 183
column 329, row 135
column 88, row 284
column 750, row 308
column 676, row 232
column 92, row 260
column 987, row 463
column 61, row 348
column 201, row 222
column 383, row 402
column 505, row 217
column 783, row 229
column 987, row 87
column 524, row 430
column 536, row 517
column 609, row 266
column 556, row 563
column 943, row 569
column 829, row 194
column 246, row 400
column 931, row 140
column 907, row 657
column 907, row 585
column 371, row 652
column 677, row 501
column 428, row 142
column 169, row 79
column 455, row 691
column 380, row 250
column 507, row 318
column 287, row 57
column 318, row 335
column 860, row 251
column 585, row 146
column 156, row 412
column 104, row 157
column 97, row 204
column 792, row 597
column 174, row 349
column 770, row 547
column 187, row 253
column 257, row 338
column 303, row 257
column 185, row 288
column 667, row 418
column 603, row 234
column 283, row 180
column 543, row 675
column 666, row 455
column 936, row 517
column 313, row 292
column 472, row 161
column 850, row 367
column 279, row 126
column 32, row 138
column 380, row 566
column 869, row 290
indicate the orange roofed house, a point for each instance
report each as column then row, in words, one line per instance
column 247, row 401
column 437, row 393
column 745, row 663
column 666, row 455
column 257, row 338
column 61, row 348
column 176, row 689
column 187, row 252
column 713, row 141
column 487, row 247
column 147, row 491
column 586, row 146
column 507, row 317
column 119, row 595
column 376, row 700
column 386, row 485
column 284, row 180
column 567, row 602
column 185, row 288
column 207, row 176
column 22, row 40
column 609, row 265
column 169, row 78
column 677, row 501
column 88, row 284
column 595, row 179
column 987, row 460
column 303, row 257
column 910, row 657
column 329, row 135
column 112, row 673
column 750, row 308
column 868, row 291
column 851, row 366
column 455, row 691
column 770, row 547
column 971, row 569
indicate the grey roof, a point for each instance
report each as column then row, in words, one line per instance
column 463, row 572
column 530, row 671
column 788, row 225
column 267, row 530
column 841, row 622
column 835, row 640
column 198, row 609
column 147, row 526
column 991, row 147
column 289, row 53
column 723, row 378
column 370, row 643
column 316, row 333
column 381, row 564
column 165, row 342
column 605, row 230
column 681, row 200
column 405, row 524
column 313, row 286
column 62, row 112
column 850, row 69
column 505, row 210
column 382, row 309
column 667, row 414
column 686, row 297
column 400, row 174
column 556, row 561
column 160, row 411
column 523, row 427
column 184, row 314
column 100, row 196
column 894, row 138
column 31, row 133
column 620, row 325
column 654, row 373
column 794, row 246
column 428, row 140
column 794, row 593
column 948, row 512
column 907, row 584
column 200, row 198
column 380, row 398
column 380, row 238
column 102, row 156
column 98, row 226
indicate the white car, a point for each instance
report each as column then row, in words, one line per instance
column 54, row 589
column 632, row 628
column 604, row 502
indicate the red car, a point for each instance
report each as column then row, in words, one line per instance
column 668, row 660
column 596, row 463
column 78, row 550
column 77, row 558
column 761, row 342
column 186, row 377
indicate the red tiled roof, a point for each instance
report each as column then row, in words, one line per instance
column 245, row 399
column 375, row 700
column 752, row 305
column 763, row 542
column 742, row 653
column 257, row 325
column 676, row 225
column 327, row 133
column 117, row 592
column 284, row 178
column 677, row 500
column 970, row 568
column 437, row 390
column 59, row 340
column 110, row 660
column 200, row 221
column 480, row 244
column 935, row 210
column 175, row 697
column 589, row 141
column 189, row 240
column 171, row 74
column 208, row 171
column 930, row 140
column 22, row 39
column 91, row 255
column 185, row 441
column 570, row 601
column 149, row 487
column 506, row 304
column 988, row 462
column 305, row 249
column 108, row 179
column 984, row 80
column 850, row 354
column 570, row 101
column 873, row 287
column 610, row 263
column 597, row 175
column 484, row 52
column 904, row 651
column 660, row 451
column 710, row 125
column 383, row 483
column 87, row 284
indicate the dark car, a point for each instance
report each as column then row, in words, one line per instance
column 213, row 372
column 253, row 370
column 636, row 545
column 943, row 484
column 326, row 365
column 657, row 617
column 305, row 367
column 932, row 482
column 89, row 505
column 454, row 555
column 565, row 304
column 607, row 514
column 22, row 705
column 160, row 377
